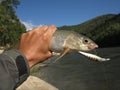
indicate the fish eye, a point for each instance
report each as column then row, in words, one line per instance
column 86, row 41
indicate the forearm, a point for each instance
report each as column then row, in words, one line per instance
column 14, row 69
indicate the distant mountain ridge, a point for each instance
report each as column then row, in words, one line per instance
column 104, row 30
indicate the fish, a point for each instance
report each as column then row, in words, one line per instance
column 93, row 56
column 65, row 41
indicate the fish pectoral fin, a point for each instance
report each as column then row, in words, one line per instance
column 66, row 50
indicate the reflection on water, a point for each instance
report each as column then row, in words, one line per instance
column 75, row 72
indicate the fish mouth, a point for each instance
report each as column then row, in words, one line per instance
column 92, row 46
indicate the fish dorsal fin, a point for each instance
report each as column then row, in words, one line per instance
column 66, row 50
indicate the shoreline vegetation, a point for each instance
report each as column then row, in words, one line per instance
column 11, row 27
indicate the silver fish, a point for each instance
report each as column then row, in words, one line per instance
column 65, row 41
column 94, row 57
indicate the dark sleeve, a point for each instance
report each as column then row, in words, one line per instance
column 14, row 69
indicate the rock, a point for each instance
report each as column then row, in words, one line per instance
column 35, row 83
column 1, row 51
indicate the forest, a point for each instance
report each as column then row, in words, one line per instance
column 104, row 29
column 10, row 26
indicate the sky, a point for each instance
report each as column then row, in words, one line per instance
column 63, row 12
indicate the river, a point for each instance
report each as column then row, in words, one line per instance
column 76, row 72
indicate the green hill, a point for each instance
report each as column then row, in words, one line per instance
column 104, row 30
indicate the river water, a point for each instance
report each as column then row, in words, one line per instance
column 76, row 72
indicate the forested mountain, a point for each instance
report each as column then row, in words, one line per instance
column 10, row 26
column 104, row 30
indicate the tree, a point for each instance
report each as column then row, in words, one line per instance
column 10, row 26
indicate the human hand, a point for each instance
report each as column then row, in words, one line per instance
column 35, row 44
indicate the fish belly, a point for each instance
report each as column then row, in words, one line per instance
column 58, row 41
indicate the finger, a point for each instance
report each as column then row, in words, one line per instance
column 40, row 29
column 49, row 54
column 50, row 31
column 43, row 28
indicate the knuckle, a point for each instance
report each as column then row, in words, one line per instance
column 24, row 34
column 45, row 26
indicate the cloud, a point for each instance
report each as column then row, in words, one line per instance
column 29, row 25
